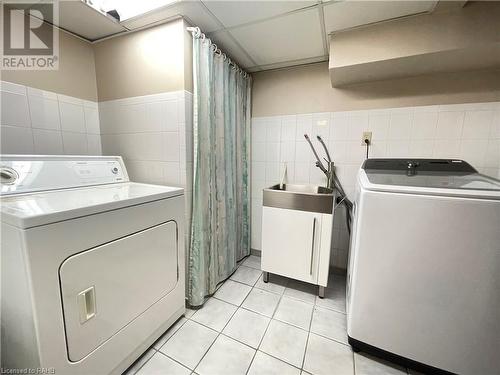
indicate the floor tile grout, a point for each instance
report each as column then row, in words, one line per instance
column 271, row 318
column 173, row 359
column 219, row 333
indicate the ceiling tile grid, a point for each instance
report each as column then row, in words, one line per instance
column 261, row 34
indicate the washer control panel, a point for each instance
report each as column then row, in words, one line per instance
column 24, row 174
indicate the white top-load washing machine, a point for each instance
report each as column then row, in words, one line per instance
column 92, row 265
column 424, row 266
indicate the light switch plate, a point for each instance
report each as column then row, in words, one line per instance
column 366, row 135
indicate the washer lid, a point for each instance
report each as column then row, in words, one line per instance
column 428, row 176
column 30, row 210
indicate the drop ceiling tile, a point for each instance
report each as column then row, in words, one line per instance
column 231, row 48
column 346, row 14
column 194, row 11
column 291, row 37
column 232, row 13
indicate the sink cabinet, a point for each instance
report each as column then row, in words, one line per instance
column 296, row 244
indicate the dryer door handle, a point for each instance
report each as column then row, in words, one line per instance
column 86, row 304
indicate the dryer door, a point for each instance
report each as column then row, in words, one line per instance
column 105, row 288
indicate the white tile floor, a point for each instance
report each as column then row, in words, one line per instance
column 250, row 327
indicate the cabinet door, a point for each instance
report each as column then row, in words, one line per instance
column 290, row 243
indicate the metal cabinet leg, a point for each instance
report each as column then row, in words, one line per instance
column 321, row 291
column 265, row 277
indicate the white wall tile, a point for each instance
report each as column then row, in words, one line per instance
column 91, row 120
column 74, row 143
column 495, row 126
column 16, row 140
column 303, row 152
column 421, row 148
column 302, row 172
column 259, row 170
column 379, row 125
column 69, row 99
column 339, row 151
column 258, row 151
column 13, row 88
column 110, row 144
column 157, row 119
column 273, row 130
column 474, row 151
column 257, row 186
column 424, row 125
column 171, row 146
column 72, row 117
column 316, row 177
column 258, row 129
column 171, row 173
column 449, row 125
column 430, row 131
column 48, row 142
column 94, row 144
column 44, row 113
column 41, row 93
column 287, row 151
column 273, row 151
column 339, row 127
column 321, row 126
column 14, row 109
column 273, row 173
column 358, row 123
column 398, row 149
column 477, row 124
column 288, row 128
column 399, row 126
column 172, row 118
column 357, row 152
column 492, row 156
column 378, row 149
column 446, row 148
column 304, row 126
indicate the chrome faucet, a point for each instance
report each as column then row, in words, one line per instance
column 328, row 170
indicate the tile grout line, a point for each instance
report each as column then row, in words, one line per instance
column 268, row 324
column 173, row 359
column 218, row 334
column 258, row 313
column 308, row 334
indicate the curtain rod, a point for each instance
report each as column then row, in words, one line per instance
column 196, row 33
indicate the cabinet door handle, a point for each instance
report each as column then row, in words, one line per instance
column 312, row 246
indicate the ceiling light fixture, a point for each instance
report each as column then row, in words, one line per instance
column 125, row 9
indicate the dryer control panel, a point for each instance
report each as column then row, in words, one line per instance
column 30, row 173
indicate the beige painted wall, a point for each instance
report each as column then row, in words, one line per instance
column 145, row 62
column 308, row 89
column 76, row 75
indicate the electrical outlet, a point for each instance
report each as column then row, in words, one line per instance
column 366, row 135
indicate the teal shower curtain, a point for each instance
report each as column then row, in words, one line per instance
column 220, row 229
